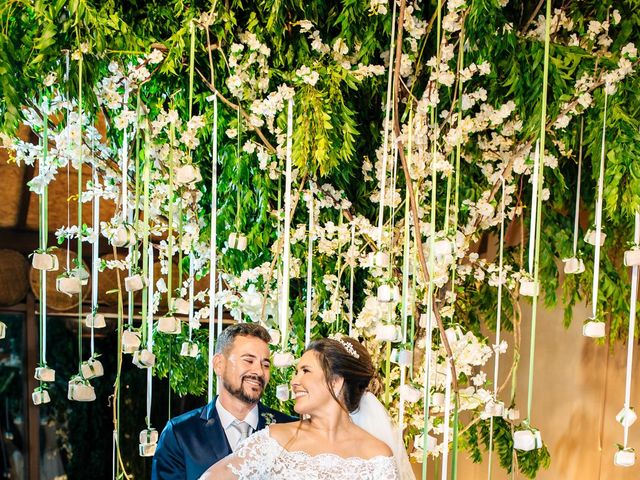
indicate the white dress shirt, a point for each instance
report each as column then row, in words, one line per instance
column 227, row 418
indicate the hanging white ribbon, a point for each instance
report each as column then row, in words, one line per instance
column 446, row 422
column 150, row 333
column 125, row 161
column 387, row 115
column 286, row 256
column 219, row 331
column 599, row 200
column 212, row 249
column 496, row 352
column 307, row 323
column 191, row 280
column 351, row 277
column 534, row 207
column 95, row 260
column 576, row 220
column 632, row 329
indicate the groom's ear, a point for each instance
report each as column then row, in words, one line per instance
column 218, row 363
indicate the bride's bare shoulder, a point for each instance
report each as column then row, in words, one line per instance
column 282, row 432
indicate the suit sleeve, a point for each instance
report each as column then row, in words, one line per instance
column 168, row 461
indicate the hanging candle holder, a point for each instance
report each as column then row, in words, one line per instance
column 624, row 457
column 432, row 443
column 45, row 374
column 237, row 240
column 187, row 174
column 388, row 333
column 626, row 417
column 95, row 320
column 283, row 392
column 437, row 400
column 181, row 306
column 134, row 283
column 493, row 408
column 80, row 390
column 274, row 334
column 169, row 324
column 512, row 414
column 189, row 349
column 388, row 293
column 92, row 368
column 148, row 442
column 68, row 284
column 40, row 396
column 123, row 235
column 45, row 260
column 528, row 287
column 3, row 330
column 573, row 265
column 378, row 259
column 632, row 256
column 527, row 440
column 594, row 328
column 144, row 358
column 283, row 359
column 410, row 394
column 590, row 237
column 130, row 341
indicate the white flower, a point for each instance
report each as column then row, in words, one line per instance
column 616, row 17
column 155, row 56
column 305, row 26
column 630, row 50
column 231, row 132
column 50, row 79
column 479, row 379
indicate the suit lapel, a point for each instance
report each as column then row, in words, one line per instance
column 214, row 432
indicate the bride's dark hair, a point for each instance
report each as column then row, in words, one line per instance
column 348, row 359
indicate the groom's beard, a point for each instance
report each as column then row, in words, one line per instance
column 246, row 396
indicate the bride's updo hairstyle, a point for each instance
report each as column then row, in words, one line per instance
column 348, row 359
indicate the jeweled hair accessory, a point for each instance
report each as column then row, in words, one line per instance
column 347, row 346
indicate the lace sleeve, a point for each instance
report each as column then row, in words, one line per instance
column 255, row 457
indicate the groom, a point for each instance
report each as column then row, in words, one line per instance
column 194, row 441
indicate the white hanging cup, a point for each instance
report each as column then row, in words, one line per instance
column 237, row 240
column 593, row 329
column 432, row 443
column 148, row 436
column 121, row 236
column 387, row 333
column 45, row 261
column 96, row 320
column 590, row 237
column 169, row 324
column 189, row 349
column 69, row 285
column 573, row 265
column 388, row 293
column 80, row 392
column 130, row 341
column 528, row 288
column 494, row 409
column 144, row 358
column 275, row 336
column 437, row 400
column 624, row 458
column 3, row 330
column 282, row 392
column 441, row 248
column 512, row 414
column 133, row 283
column 283, row 359
column 405, row 357
column 92, row 368
column 187, row 174
column 626, row 417
column 632, row 257
column 410, row 394
column 39, row 397
column 378, row 259
column 527, row 440
column 45, row 374
column 181, row 306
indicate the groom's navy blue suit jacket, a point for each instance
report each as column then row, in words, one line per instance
column 195, row 440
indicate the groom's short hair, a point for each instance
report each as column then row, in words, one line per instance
column 229, row 334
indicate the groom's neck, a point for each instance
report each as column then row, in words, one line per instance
column 234, row 405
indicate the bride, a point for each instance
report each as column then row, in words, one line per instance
column 330, row 396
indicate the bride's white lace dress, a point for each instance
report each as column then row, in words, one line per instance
column 261, row 457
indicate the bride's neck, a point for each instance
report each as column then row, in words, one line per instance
column 330, row 423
